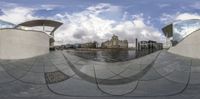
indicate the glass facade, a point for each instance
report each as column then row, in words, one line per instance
column 181, row 29
column 4, row 24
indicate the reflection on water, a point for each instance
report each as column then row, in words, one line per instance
column 109, row 55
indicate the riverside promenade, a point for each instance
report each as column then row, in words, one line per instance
column 61, row 75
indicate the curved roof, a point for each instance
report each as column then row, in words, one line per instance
column 50, row 23
column 168, row 30
column 180, row 29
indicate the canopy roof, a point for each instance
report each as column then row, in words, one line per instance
column 50, row 23
column 168, row 30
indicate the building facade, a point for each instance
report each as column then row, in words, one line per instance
column 20, row 42
column 149, row 45
column 115, row 43
column 89, row 45
column 184, row 36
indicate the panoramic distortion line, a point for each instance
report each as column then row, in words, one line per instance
column 137, row 83
column 26, row 72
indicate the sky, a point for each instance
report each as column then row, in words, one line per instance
column 97, row 20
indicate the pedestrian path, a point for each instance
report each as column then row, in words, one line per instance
column 60, row 74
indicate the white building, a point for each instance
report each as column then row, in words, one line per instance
column 185, row 37
column 23, row 41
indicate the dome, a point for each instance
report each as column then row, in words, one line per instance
column 4, row 24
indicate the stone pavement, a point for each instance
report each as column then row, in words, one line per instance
column 61, row 75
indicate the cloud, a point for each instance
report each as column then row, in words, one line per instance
column 49, row 6
column 168, row 18
column 103, row 7
column 17, row 14
column 137, row 28
column 79, row 34
column 187, row 16
column 90, row 24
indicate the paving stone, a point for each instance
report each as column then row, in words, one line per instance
column 56, row 76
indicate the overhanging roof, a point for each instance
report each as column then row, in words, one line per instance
column 50, row 23
column 168, row 30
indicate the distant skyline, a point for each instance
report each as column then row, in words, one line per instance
column 89, row 20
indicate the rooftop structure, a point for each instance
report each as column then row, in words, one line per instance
column 48, row 26
column 177, row 31
column 184, row 37
column 43, row 23
column 28, row 39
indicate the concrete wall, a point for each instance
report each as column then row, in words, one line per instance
column 20, row 44
column 189, row 46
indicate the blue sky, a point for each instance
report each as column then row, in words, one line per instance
column 88, row 20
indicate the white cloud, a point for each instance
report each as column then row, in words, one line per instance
column 187, row 16
column 88, row 25
column 17, row 14
column 103, row 7
column 168, row 18
column 49, row 6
